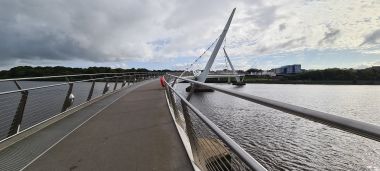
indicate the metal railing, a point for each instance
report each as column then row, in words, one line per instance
column 349, row 125
column 212, row 149
column 37, row 99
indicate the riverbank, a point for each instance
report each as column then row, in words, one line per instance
column 283, row 81
column 325, row 82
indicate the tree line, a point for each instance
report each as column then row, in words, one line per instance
column 335, row 74
column 370, row 74
column 338, row 74
column 28, row 71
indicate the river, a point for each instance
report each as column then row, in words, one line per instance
column 281, row 141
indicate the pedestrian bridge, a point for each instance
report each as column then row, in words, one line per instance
column 130, row 129
column 125, row 121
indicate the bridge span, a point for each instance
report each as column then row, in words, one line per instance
column 127, row 121
column 134, row 132
column 129, row 129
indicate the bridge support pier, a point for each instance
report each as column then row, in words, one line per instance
column 198, row 88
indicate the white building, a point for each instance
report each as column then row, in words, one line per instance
column 288, row 69
column 264, row 73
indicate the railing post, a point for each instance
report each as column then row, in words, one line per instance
column 129, row 79
column 124, row 81
column 191, row 91
column 189, row 127
column 175, row 80
column 187, row 117
column 67, row 102
column 167, row 93
column 105, row 87
column 172, row 100
column 17, row 119
column 136, row 77
column 91, row 90
column 117, row 79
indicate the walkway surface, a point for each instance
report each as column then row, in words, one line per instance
column 136, row 132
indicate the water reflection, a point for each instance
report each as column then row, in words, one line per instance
column 281, row 141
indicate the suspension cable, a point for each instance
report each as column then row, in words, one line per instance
column 225, row 57
column 197, row 59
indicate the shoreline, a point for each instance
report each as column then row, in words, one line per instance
column 315, row 82
column 306, row 82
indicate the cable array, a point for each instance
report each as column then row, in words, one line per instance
column 198, row 58
column 38, row 101
column 208, row 149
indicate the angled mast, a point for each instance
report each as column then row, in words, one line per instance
column 232, row 67
column 202, row 77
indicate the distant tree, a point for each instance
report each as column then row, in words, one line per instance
column 141, row 70
column 370, row 74
column 337, row 74
column 253, row 70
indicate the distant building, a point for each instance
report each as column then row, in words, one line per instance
column 288, row 69
column 222, row 72
column 264, row 73
column 377, row 68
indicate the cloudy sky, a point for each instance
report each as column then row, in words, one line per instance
column 159, row 34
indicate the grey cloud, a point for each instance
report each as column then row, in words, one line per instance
column 97, row 30
column 92, row 30
column 292, row 43
column 372, row 38
column 282, row 27
column 285, row 45
column 364, row 21
column 265, row 16
column 103, row 31
column 40, row 44
column 330, row 36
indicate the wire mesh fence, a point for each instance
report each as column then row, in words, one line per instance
column 209, row 150
column 213, row 153
column 25, row 102
column 39, row 105
column 238, row 160
column 8, row 108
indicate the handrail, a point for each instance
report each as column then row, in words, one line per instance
column 247, row 158
column 53, row 85
column 26, row 100
column 349, row 125
column 63, row 76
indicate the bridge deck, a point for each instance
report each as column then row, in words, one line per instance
column 134, row 133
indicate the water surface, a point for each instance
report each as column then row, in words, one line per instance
column 281, row 141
